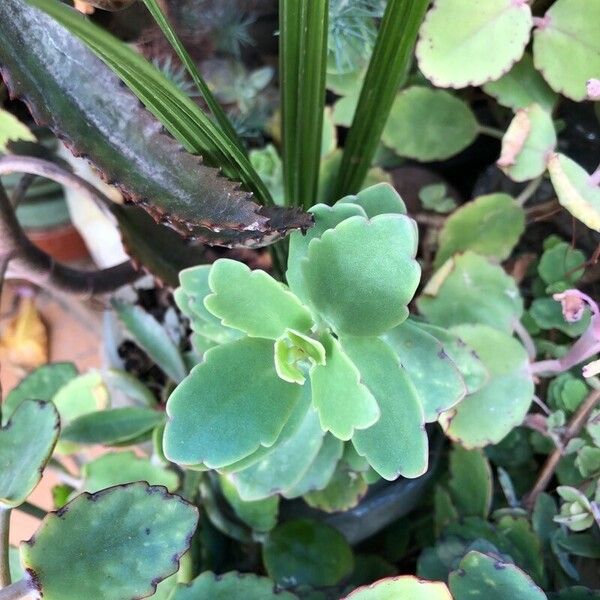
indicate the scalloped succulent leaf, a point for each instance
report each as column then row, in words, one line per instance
column 117, row 468
column 378, row 199
column 254, row 302
column 361, row 275
column 326, row 217
column 405, row 587
column 139, row 533
column 489, row 415
column 427, row 124
column 26, row 444
column 454, row 41
column 527, row 144
column 230, row 585
column 341, row 399
column 470, row 289
column 490, row 225
column 466, row 360
column 577, row 191
column 41, row 384
column 521, row 86
column 436, row 378
column 397, row 444
column 489, row 577
column 229, row 406
column 307, row 552
column 344, row 491
column 568, row 29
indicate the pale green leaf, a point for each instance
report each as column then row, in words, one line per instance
column 12, row 130
column 405, row 587
column 378, row 199
column 344, row 491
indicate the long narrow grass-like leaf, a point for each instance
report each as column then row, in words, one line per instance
column 388, row 67
column 178, row 113
column 303, row 58
column 216, row 109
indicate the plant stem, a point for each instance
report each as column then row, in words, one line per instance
column 32, row 510
column 388, row 68
column 573, row 428
column 21, row 590
column 4, row 547
column 529, row 190
column 491, row 131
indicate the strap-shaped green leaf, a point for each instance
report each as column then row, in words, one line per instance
column 437, row 380
column 115, row 544
column 254, row 302
column 361, row 275
column 342, row 400
column 228, row 406
column 65, row 84
column 488, row 415
column 228, row 586
column 397, row 444
column 26, row 444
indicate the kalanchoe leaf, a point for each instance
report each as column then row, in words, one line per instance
column 453, row 47
column 306, row 552
column 378, row 199
column 527, row 143
column 427, row 124
column 326, row 217
column 153, row 338
column 41, row 384
column 294, row 350
column 224, row 410
column 253, row 302
column 116, row 468
column 561, row 267
column 490, row 225
column 491, row 413
column 228, row 586
column 397, row 444
column 470, row 289
column 405, row 587
column 465, row 358
column 26, row 444
column 344, row 491
column 342, row 400
column 139, row 533
column 568, row 29
column 436, row 378
column 490, row 578
column 361, row 275
column 522, row 86
column 73, row 92
column 320, row 471
column 577, row 191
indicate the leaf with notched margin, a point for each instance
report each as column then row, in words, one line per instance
column 69, row 89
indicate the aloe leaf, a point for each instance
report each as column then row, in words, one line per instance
column 453, row 48
column 64, row 84
column 307, row 552
column 153, row 338
column 117, row 468
column 388, row 67
column 569, row 28
column 482, row 575
column 397, row 444
column 111, row 427
column 303, row 60
column 224, row 410
column 41, row 384
column 341, row 399
column 230, row 585
column 139, row 534
column 437, row 380
column 254, row 302
column 490, row 225
column 528, row 142
column 406, row 587
column 26, row 444
column 361, row 275
column 490, row 414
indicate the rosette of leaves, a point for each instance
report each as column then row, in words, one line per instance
column 296, row 371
